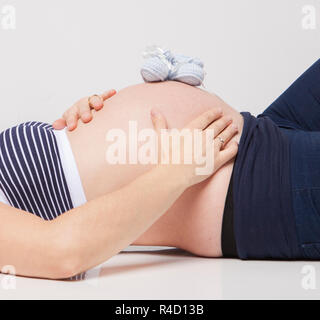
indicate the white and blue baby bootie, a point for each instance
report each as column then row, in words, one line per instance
column 162, row 65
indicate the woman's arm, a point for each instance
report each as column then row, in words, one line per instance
column 88, row 235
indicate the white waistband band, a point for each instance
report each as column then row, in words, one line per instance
column 3, row 198
column 70, row 168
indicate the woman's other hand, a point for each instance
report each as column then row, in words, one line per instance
column 215, row 134
column 82, row 110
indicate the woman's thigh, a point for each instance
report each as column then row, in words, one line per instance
column 305, row 175
column 299, row 106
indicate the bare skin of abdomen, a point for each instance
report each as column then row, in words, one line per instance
column 194, row 222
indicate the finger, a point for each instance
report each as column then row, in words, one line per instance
column 59, row 124
column 108, row 94
column 95, row 102
column 84, row 111
column 86, row 116
column 228, row 153
column 219, row 125
column 71, row 120
column 72, row 111
column 205, row 119
column 158, row 120
column 226, row 135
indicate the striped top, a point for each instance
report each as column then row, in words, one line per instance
column 31, row 173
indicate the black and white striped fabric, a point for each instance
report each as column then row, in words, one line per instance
column 31, row 174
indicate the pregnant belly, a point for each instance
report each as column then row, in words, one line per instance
column 194, row 221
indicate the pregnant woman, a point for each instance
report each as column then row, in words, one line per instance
column 264, row 204
column 106, row 207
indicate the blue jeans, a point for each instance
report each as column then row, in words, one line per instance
column 297, row 113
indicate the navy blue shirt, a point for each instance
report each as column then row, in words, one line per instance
column 264, row 224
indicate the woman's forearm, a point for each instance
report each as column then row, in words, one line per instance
column 103, row 227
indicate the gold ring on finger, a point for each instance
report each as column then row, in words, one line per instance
column 221, row 140
column 89, row 99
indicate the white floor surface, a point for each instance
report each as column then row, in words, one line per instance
column 170, row 273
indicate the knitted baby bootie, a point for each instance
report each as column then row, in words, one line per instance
column 188, row 70
column 163, row 65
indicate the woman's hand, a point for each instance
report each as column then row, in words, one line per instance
column 82, row 110
column 214, row 133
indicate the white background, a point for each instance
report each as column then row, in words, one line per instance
column 63, row 50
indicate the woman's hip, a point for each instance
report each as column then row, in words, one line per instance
column 305, row 180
